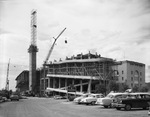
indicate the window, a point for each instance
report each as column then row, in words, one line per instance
column 131, row 84
column 141, row 73
column 131, row 78
column 122, row 78
column 140, row 79
column 122, row 72
column 131, row 72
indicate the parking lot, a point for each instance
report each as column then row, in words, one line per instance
column 49, row 107
column 99, row 111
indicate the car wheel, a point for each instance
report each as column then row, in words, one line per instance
column 118, row 108
column 105, row 106
column 93, row 103
column 128, row 107
column 144, row 108
column 110, row 106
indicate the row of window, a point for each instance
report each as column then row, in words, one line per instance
column 132, row 73
column 132, row 79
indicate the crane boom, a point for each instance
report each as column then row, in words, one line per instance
column 52, row 47
column 49, row 53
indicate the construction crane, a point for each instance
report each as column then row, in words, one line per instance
column 52, row 47
column 7, row 81
column 49, row 54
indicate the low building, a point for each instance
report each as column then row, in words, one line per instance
column 22, row 82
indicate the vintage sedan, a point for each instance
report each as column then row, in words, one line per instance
column 92, row 99
column 78, row 99
column 134, row 100
column 109, row 99
column 14, row 97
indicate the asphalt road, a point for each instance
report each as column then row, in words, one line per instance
column 46, row 107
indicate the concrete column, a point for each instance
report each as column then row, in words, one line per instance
column 73, row 81
column 59, row 82
column 54, row 82
column 81, row 86
column 49, row 82
column 66, row 82
column 89, row 86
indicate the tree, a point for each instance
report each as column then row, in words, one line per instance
column 135, row 88
column 113, row 86
column 144, row 89
column 100, row 88
column 123, row 87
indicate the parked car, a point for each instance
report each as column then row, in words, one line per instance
column 134, row 100
column 4, row 99
column 109, row 99
column 59, row 97
column 78, row 99
column 1, row 99
column 14, row 97
column 92, row 99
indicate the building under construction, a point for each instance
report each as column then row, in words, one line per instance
column 82, row 71
column 85, row 71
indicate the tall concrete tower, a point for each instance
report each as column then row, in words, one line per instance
column 32, row 52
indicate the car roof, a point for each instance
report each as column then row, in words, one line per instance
column 138, row 93
column 118, row 93
column 97, row 94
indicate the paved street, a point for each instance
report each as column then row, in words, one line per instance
column 46, row 107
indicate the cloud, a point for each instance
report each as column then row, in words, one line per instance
column 143, row 39
column 3, row 31
column 144, row 7
column 115, row 29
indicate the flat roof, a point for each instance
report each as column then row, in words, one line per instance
column 133, row 62
column 83, row 60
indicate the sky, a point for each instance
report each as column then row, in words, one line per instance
column 118, row 29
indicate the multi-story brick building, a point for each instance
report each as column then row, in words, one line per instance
column 130, row 72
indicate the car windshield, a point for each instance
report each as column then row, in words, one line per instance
column 92, row 96
column 86, row 95
column 110, row 96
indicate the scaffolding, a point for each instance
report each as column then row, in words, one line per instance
column 82, row 71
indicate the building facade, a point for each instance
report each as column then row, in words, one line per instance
column 22, row 82
column 131, row 73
